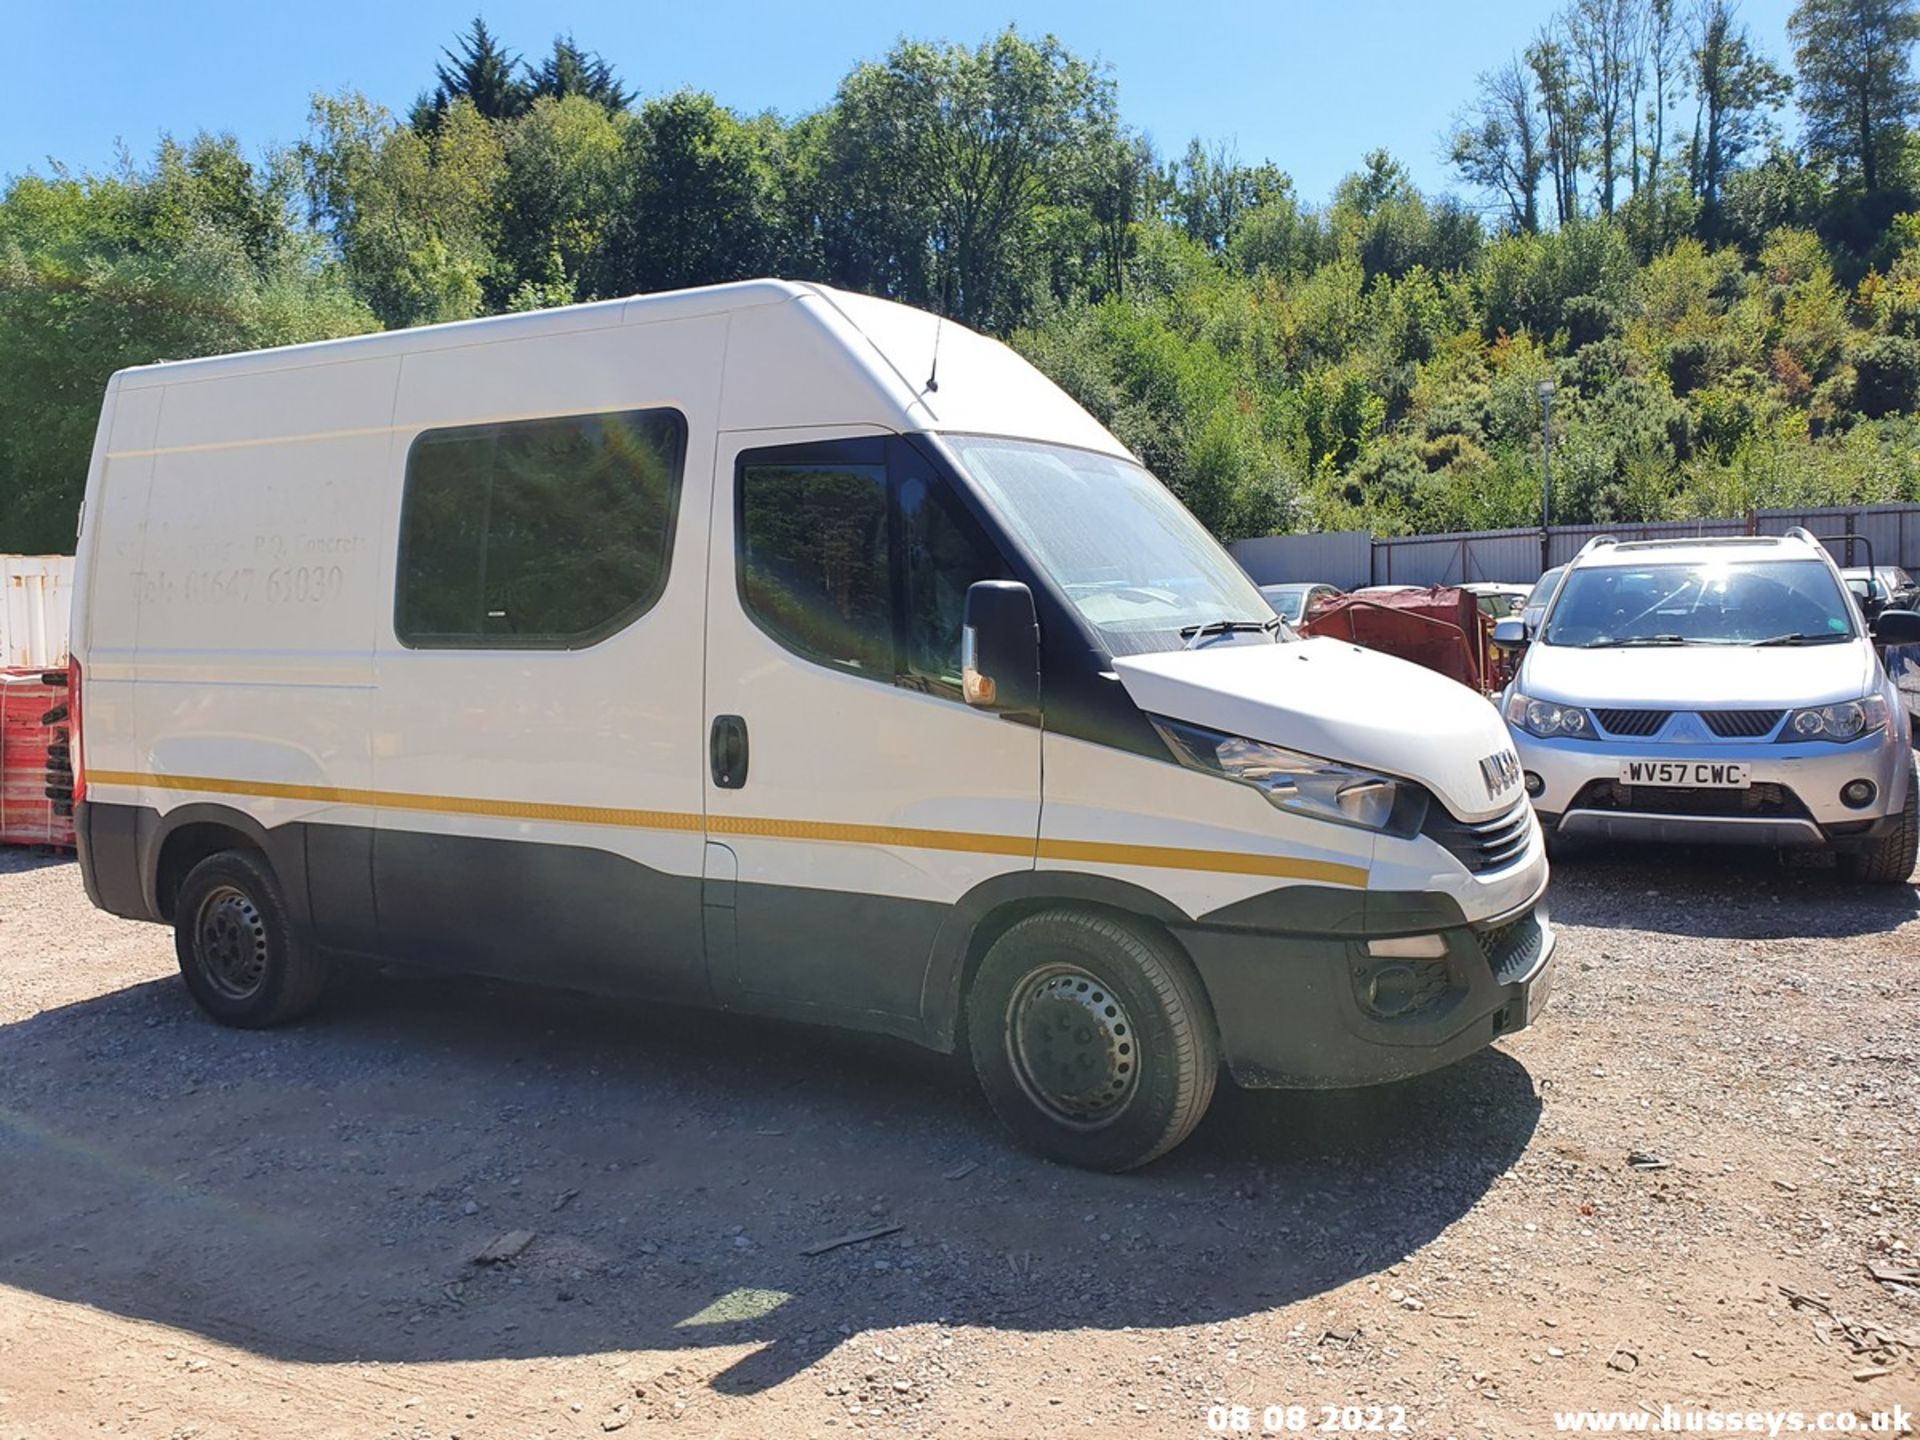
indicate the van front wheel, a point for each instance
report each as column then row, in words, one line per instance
column 1092, row 1039
column 245, row 960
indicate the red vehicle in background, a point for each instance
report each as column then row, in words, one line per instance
column 1444, row 628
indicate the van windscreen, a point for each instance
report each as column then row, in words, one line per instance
column 1131, row 558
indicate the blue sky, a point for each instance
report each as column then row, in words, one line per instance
column 1309, row 84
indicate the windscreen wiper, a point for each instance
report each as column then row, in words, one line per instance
column 1194, row 634
column 1607, row 642
column 1796, row 638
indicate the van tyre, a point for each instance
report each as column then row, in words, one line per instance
column 1092, row 1039
column 1890, row 859
column 245, row 960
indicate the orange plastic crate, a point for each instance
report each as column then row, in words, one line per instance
column 35, row 757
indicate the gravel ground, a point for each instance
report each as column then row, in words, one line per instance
column 213, row 1233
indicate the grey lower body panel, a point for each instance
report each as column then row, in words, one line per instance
column 1305, row 1010
column 543, row 913
column 1781, row 832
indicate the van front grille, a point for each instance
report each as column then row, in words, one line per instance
column 1481, row 845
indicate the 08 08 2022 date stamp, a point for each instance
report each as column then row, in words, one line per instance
column 1308, row 1420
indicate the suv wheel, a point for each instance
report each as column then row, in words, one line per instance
column 1890, row 860
column 1093, row 1040
column 245, row 961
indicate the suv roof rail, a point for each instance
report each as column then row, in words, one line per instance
column 1825, row 544
column 1596, row 542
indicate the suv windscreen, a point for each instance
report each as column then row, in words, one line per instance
column 1129, row 556
column 1722, row 603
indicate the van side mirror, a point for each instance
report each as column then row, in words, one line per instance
column 1000, row 648
column 1510, row 634
column 1897, row 627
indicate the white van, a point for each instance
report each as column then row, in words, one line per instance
column 781, row 650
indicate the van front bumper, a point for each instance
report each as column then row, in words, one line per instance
column 1311, row 1012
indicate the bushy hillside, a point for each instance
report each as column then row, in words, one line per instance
column 1714, row 257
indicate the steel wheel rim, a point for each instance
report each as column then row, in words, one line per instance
column 230, row 937
column 1074, row 1049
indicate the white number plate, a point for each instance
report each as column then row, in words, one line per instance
column 1686, row 774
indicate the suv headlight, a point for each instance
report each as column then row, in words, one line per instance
column 1549, row 719
column 1848, row 720
column 1303, row 784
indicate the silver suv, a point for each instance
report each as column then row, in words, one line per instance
column 1716, row 690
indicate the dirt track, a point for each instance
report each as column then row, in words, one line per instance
column 221, row 1234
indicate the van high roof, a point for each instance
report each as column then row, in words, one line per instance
column 809, row 354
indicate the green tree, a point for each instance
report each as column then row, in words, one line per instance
column 1210, row 192
column 1496, row 145
column 571, row 70
column 414, row 216
column 1857, row 91
column 938, row 164
column 1604, row 37
column 482, row 72
column 1565, row 112
column 702, row 199
column 1737, row 90
column 565, row 182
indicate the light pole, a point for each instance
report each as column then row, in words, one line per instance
column 1545, row 392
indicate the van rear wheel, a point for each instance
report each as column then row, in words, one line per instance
column 1093, row 1039
column 246, row 962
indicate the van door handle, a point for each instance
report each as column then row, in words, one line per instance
column 727, row 748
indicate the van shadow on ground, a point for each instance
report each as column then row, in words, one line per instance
column 317, row 1193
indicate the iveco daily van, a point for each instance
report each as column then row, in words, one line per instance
column 786, row 651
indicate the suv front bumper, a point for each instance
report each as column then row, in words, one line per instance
column 1793, row 798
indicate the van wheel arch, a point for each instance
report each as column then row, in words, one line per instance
column 186, row 836
column 991, row 908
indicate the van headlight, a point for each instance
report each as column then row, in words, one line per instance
column 1549, row 719
column 1302, row 784
column 1848, row 720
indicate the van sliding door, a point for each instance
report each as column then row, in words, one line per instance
column 539, row 755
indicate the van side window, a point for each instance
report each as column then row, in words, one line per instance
column 854, row 555
column 537, row 534
column 813, row 564
column 944, row 553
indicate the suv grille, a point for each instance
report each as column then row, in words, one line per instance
column 1764, row 800
column 1631, row 722
column 1741, row 724
column 1483, row 844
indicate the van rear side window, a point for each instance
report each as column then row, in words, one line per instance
column 537, row 534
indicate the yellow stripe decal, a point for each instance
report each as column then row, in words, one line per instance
column 1097, row 852
column 398, row 800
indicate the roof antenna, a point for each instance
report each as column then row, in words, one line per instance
column 933, row 374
